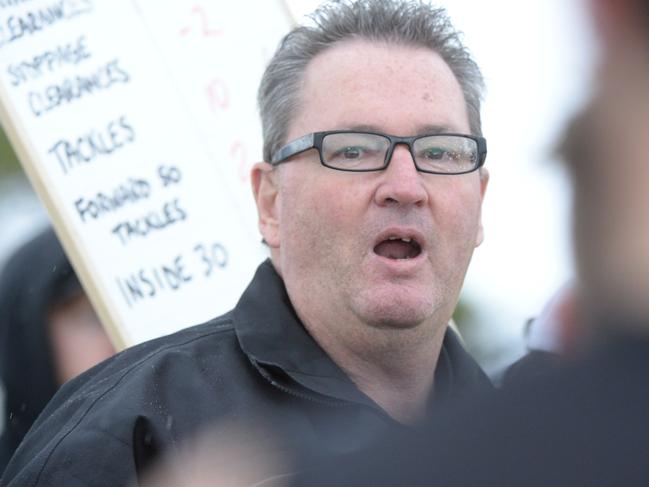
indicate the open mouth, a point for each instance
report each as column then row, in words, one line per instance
column 398, row 248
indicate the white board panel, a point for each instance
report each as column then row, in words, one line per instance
column 136, row 122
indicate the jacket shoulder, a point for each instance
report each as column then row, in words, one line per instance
column 96, row 414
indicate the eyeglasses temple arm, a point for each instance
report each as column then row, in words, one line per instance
column 293, row 148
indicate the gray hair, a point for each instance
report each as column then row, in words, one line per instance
column 402, row 22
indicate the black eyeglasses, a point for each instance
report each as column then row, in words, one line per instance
column 348, row 150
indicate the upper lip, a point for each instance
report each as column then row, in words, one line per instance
column 401, row 233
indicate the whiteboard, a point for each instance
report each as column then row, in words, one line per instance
column 136, row 123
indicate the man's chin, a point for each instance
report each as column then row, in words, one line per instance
column 394, row 313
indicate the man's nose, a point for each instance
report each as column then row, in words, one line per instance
column 401, row 184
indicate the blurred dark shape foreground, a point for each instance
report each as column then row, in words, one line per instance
column 48, row 333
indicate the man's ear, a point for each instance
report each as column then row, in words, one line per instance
column 484, row 181
column 266, row 193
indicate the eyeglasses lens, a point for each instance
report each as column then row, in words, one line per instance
column 447, row 154
column 355, row 151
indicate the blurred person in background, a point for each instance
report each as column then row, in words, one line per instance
column 370, row 200
column 556, row 334
column 610, row 234
column 49, row 333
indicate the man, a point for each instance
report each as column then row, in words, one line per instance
column 584, row 423
column 370, row 201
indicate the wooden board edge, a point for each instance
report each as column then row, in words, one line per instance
column 79, row 259
column 288, row 12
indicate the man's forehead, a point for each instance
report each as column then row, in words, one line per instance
column 361, row 85
column 358, row 48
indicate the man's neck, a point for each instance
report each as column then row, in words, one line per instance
column 394, row 367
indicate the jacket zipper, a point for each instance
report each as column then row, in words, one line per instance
column 316, row 399
column 301, row 395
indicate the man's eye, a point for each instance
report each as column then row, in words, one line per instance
column 435, row 153
column 351, row 152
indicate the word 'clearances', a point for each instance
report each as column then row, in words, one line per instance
column 77, row 87
column 16, row 27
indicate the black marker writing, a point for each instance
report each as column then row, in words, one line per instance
column 147, row 283
column 171, row 213
column 169, row 175
column 17, row 27
column 74, row 88
column 89, row 146
column 212, row 256
column 102, row 203
column 48, row 61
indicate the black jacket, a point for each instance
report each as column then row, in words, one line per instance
column 256, row 363
column 579, row 423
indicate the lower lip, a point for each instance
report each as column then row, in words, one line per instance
column 401, row 265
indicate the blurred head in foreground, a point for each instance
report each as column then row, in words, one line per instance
column 49, row 333
column 607, row 153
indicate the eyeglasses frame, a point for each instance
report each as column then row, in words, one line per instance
column 314, row 141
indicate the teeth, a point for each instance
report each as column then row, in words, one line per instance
column 404, row 239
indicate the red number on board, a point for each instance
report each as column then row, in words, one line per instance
column 205, row 29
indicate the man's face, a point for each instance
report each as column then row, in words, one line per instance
column 330, row 231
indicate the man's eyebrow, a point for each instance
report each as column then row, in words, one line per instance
column 364, row 128
column 436, row 129
column 424, row 129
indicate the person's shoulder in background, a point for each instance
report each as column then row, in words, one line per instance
column 554, row 335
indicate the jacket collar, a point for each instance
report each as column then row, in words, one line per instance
column 272, row 336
